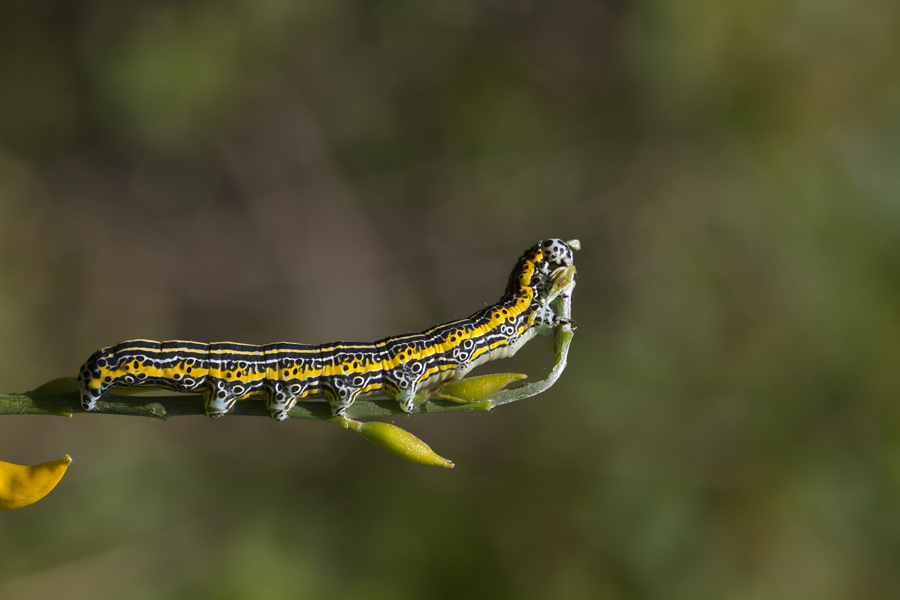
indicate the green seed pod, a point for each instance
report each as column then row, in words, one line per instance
column 399, row 442
column 477, row 388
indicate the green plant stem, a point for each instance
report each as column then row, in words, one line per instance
column 163, row 407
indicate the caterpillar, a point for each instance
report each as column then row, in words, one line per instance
column 398, row 367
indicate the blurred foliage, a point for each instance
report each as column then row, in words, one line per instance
column 729, row 425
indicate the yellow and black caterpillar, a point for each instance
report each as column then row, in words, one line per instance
column 397, row 366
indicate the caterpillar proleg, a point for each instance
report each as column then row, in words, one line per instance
column 398, row 366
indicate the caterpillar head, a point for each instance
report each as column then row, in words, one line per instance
column 555, row 257
column 536, row 267
column 559, row 253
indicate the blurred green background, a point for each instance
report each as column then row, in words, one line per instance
column 729, row 425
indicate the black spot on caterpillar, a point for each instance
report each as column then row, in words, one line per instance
column 397, row 366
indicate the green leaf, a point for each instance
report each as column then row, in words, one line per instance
column 62, row 385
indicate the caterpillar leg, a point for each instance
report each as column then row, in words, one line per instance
column 562, row 282
column 344, row 394
column 544, row 319
column 218, row 403
column 406, row 399
column 281, row 398
column 407, row 378
column 89, row 397
column 220, row 396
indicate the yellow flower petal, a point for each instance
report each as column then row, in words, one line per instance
column 21, row 486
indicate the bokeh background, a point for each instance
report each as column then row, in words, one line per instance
column 729, row 425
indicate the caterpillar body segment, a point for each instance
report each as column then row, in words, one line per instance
column 341, row 372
